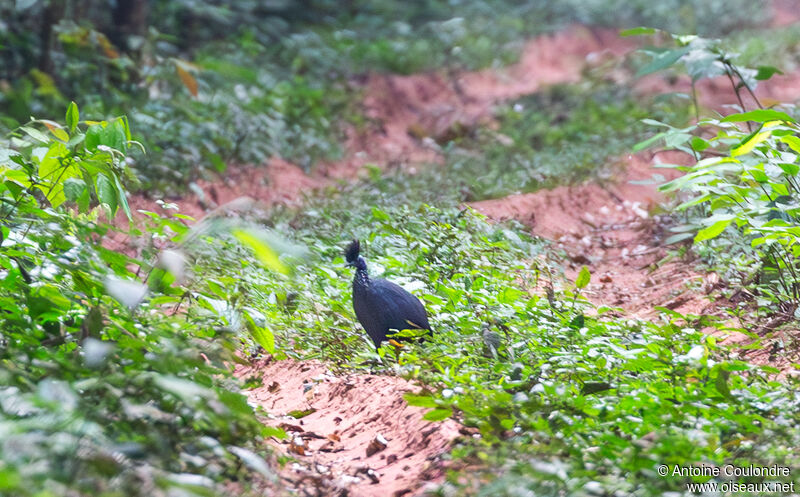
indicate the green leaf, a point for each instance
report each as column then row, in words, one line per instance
column 420, row 400
column 93, row 137
column 789, row 169
column 758, row 175
column 126, row 127
column 584, row 276
column 301, row 413
column 676, row 139
column 380, row 215
column 122, row 196
column 35, row 134
column 678, row 238
column 721, row 384
column 106, row 192
column 74, row 188
column 662, row 61
column 759, row 116
column 53, row 174
column 273, row 431
column 262, row 335
column 698, row 144
column 646, row 143
column 766, row 72
column 73, row 116
column 115, row 136
column 749, row 145
column 793, row 142
column 641, row 30
column 437, row 414
column 712, row 231
column 56, row 130
column 263, row 251
column 578, row 322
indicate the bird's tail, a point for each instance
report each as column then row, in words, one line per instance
column 352, row 251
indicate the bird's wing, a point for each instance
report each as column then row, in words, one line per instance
column 401, row 310
column 370, row 314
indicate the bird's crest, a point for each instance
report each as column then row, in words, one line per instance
column 352, row 251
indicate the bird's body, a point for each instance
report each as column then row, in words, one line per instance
column 380, row 305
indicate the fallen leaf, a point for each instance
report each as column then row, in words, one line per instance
column 301, row 413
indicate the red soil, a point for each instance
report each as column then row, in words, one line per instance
column 610, row 229
column 349, row 412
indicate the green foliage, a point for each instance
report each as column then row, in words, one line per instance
column 281, row 88
column 778, row 46
column 114, row 382
column 105, row 391
column 561, row 135
column 565, row 401
column 748, row 190
column 743, row 188
column 594, row 410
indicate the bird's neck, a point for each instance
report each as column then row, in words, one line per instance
column 361, row 277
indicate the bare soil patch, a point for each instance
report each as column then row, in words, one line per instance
column 360, row 437
column 610, row 229
column 410, row 108
column 785, row 12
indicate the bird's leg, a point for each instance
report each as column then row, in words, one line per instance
column 397, row 347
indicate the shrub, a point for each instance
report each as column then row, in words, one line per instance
column 110, row 385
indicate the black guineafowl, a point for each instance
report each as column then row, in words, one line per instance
column 381, row 305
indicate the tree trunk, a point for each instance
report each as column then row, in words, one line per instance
column 130, row 19
column 51, row 16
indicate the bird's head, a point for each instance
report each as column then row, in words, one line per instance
column 352, row 256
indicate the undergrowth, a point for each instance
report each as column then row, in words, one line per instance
column 741, row 192
column 282, row 87
column 112, row 368
column 564, row 400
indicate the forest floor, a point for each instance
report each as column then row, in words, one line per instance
column 357, row 436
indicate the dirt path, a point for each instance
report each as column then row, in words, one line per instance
column 359, row 437
column 329, row 445
column 407, row 113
